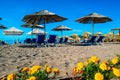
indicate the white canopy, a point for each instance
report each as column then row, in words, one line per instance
column 35, row 31
column 13, row 31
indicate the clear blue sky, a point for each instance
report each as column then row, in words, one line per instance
column 12, row 12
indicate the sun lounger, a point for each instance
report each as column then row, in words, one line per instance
column 100, row 39
column 34, row 40
column 90, row 41
column 41, row 40
column 65, row 40
column 60, row 41
column 27, row 41
column 2, row 42
column 52, row 40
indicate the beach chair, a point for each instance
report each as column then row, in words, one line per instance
column 60, row 41
column 28, row 40
column 17, row 42
column 100, row 39
column 52, row 40
column 40, row 40
column 90, row 41
column 117, row 37
column 34, row 40
column 2, row 42
column 20, row 42
column 65, row 40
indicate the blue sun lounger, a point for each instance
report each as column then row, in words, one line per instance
column 100, row 39
column 52, row 40
column 41, row 40
column 90, row 41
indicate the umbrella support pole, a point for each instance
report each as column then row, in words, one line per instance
column 119, row 32
column 31, row 36
column 44, row 27
column 45, row 31
column 92, row 28
column 61, row 33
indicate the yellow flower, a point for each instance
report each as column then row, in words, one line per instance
column 116, row 72
column 115, row 60
column 103, row 66
column 80, row 66
column 106, row 62
column 56, row 70
column 32, row 78
column 75, row 70
column 45, row 66
column 48, row 70
column 99, row 76
column 25, row 69
column 87, row 61
column 108, row 68
column 4, row 78
column 34, row 69
column 94, row 59
column 11, row 77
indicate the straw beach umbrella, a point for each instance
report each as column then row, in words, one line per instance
column 116, row 29
column 74, row 35
column 99, row 33
column 87, row 32
column 36, row 31
column 110, row 33
column 42, row 17
column 32, row 26
column 93, row 18
column 61, row 28
column 13, row 31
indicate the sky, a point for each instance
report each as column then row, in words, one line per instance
column 13, row 11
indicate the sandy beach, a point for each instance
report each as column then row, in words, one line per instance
column 65, row 57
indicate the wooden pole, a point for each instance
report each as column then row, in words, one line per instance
column 92, row 28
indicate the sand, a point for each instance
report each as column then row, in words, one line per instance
column 65, row 57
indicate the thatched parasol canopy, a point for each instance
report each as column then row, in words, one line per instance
column 42, row 17
column 93, row 18
column 13, row 31
column 32, row 26
column 61, row 28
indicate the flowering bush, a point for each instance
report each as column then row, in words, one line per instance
column 35, row 73
column 93, row 69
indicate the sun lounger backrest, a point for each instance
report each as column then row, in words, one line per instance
column 61, row 40
column 52, row 38
column 100, row 39
column 65, row 40
column 92, row 39
column 28, row 40
column 34, row 40
column 40, row 39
